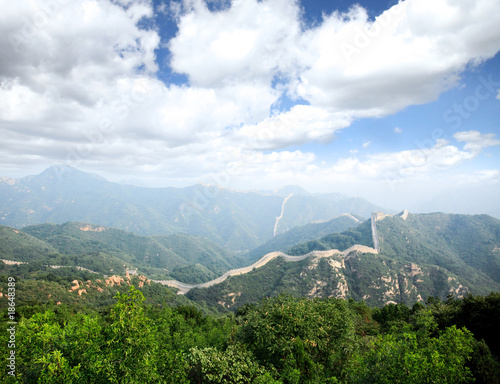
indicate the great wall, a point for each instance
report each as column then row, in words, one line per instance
column 376, row 216
column 185, row 288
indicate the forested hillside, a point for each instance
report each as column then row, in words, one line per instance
column 466, row 245
column 285, row 241
column 40, row 287
column 418, row 310
column 111, row 251
column 279, row 340
column 361, row 234
column 377, row 280
column 420, row 256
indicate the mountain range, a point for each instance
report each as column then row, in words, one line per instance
column 113, row 251
column 190, row 259
column 419, row 256
column 265, row 243
column 235, row 220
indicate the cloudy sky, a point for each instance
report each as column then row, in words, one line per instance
column 395, row 102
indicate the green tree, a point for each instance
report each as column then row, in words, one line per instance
column 235, row 365
column 302, row 338
column 84, row 345
column 131, row 346
column 407, row 356
column 56, row 370
column 391, row 315
column 38, row 344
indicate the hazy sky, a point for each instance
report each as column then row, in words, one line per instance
column 393, row 102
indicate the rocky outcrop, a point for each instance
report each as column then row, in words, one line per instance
column 92, row 228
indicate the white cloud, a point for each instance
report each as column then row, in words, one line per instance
column 396, row 62
column 408, row 55
column 77, row 84
column 366, row 144
column 301, row 124
column 476, row 141
column 398, row 130
column 498, row 94
column 249, row 42
column 60, row 62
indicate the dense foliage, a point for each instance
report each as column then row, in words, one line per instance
column 40, row 288
column 280, row 340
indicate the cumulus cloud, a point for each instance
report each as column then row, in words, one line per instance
column 408, row 55
column 476, row 141
column 57, row 62
column 249, row 42
column 348, row 67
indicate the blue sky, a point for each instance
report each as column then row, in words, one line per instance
column 394, row 102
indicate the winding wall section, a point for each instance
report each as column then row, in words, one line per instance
column 374, row 231
column 281, row 215
column 185, row 288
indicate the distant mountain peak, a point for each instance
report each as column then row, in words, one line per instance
column 63, row 171
column 289, row 189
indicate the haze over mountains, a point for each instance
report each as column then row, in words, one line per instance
column 236, row 220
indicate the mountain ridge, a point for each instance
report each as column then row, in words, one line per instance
column 235, row 220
